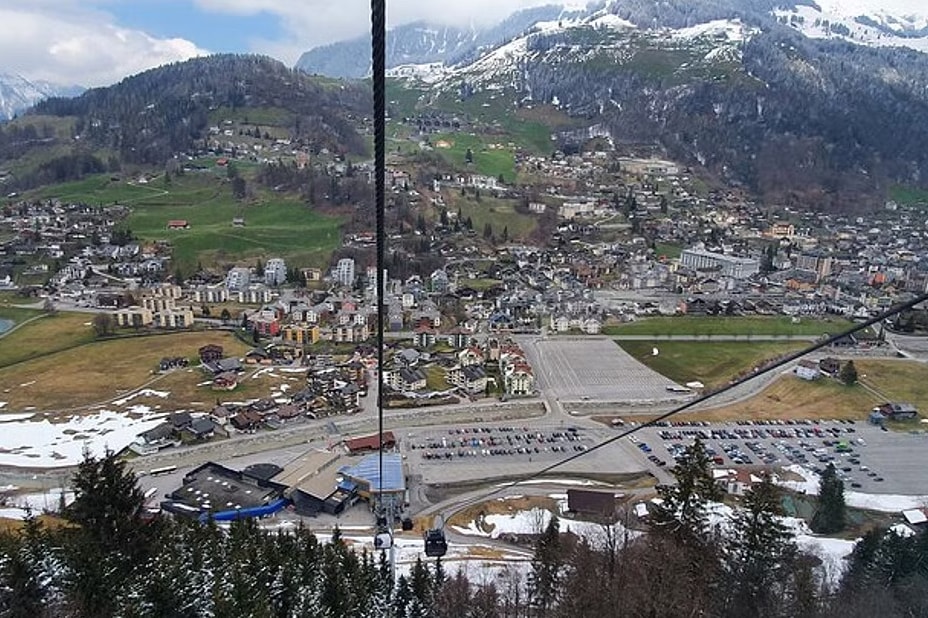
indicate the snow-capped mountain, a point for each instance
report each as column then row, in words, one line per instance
column 743, row 87
column 17, row 94
column 424, row 43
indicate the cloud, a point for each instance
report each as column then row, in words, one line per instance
column 316, row 22
column 64, row 43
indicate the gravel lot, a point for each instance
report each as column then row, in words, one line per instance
column 594, row 369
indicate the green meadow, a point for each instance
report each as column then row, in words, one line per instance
column 275, row 225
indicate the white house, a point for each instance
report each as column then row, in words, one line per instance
column 807, row 370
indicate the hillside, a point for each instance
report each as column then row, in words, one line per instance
column 738, row 88
column 149, row 118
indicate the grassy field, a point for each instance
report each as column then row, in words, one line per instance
column 792, row 397
column 44, row 336
column 435, row 378
column 896, row 380
column 713, row 364
column 907, row 195
column 275, row 226
column 491, row 155
column 500, row 214
column 481, row 285
column 104, row 370
column 669, row 251
column 726, row 325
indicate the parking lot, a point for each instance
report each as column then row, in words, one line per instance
column 468, row 453
column 867, row 459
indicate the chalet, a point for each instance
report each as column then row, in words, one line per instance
column 202, row 428
column 221, row 414
column 226, row 381
column 366, row 444
column 210, row 353
column 158, row 436
column 263, row 406
column 246, row 421
column 807, row 370
column 288, row 412
column 178, row 224
column 180, row 420
column 258, row 356
column 736, row 482
column 830, row 366
column 225, row 365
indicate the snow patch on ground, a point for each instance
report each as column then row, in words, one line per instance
column 41, row 444
column 886, row 503
column 580, row 482
column 7, row 418
column 41, row 502
column 145, row 392
column 732, row 30
column 613, row 21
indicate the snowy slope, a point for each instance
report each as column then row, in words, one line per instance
column 616, row 40
column 858, row 24
column 18, row 94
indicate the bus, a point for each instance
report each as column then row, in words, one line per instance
column 162, row 471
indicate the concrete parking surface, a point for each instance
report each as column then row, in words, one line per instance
column 862, row 453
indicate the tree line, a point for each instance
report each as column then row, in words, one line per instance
column 110, row 559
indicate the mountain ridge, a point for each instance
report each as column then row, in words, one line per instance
column 17, row 94
column 732, row 86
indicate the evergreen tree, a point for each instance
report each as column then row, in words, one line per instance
column 848, row 373
column 830, row 515
column 109, row 538
column 420, row 587
column 23, row 593
column 547, row 568
column 759, row 554
column 683, row 511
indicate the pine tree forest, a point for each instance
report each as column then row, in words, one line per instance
column 107, row 560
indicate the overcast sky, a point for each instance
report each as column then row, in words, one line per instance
column 98, row 42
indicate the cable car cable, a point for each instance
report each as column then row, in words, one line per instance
column 378, row 63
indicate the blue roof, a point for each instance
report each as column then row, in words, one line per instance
column 368, row 470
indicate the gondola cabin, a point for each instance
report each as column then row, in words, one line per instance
column 436, row 545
